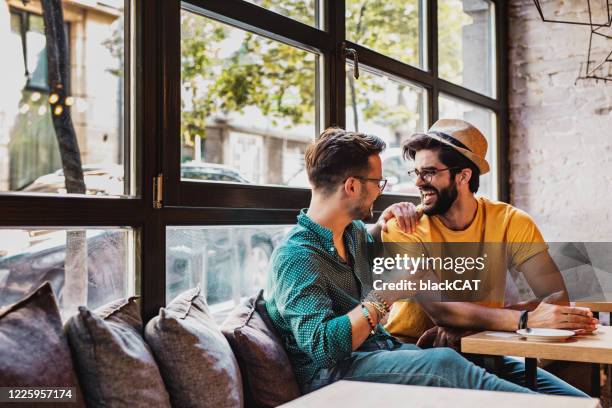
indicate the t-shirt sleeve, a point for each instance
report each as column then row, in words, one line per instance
column 395, row 234
column 524, row 238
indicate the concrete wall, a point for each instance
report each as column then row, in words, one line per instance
column 560, row 132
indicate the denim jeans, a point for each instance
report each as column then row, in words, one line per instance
column 513, row 370
column 389, row 361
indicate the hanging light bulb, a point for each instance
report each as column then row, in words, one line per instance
column 58, row 110
column 53, row 98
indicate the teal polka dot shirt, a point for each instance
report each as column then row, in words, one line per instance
column 310, row 290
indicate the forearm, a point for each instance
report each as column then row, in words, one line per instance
column 472, row 316
column 360, row 328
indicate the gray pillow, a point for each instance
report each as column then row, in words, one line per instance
column 195, row 360
column 114, row 364
column 266, row 368
column 33, row 349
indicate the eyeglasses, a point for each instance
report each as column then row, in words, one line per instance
column 382, row 183
column 427, row 175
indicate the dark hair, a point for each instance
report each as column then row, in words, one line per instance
column 447, row 155
column 337, row 154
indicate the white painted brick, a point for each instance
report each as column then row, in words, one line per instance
column 560, row 132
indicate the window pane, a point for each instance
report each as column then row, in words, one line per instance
column 391, row 109
column 229, row 263
column 466, row 44
column 83, row 106
column 249, row 105
column 85, row 267
column 486, row 121
column 394, row 28
column 304, row 11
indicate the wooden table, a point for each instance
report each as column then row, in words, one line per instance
column 355, row 394
column 595, row 348
column 596, row 306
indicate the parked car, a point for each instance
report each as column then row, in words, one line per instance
column 228, row 263
column 395, row 170
column 198, row 170
column 100, row 179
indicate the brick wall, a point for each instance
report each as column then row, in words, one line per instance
column 560, row 132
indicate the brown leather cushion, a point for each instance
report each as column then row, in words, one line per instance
column 33, row 349
column 266, row 369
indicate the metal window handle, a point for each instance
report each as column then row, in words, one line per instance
column 353, row 53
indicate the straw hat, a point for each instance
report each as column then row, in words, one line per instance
column 464, row 138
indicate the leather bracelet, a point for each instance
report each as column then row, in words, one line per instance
column 523, row 320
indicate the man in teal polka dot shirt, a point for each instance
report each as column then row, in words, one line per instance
column 317, row 293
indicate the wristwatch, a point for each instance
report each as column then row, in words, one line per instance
column 523, row 320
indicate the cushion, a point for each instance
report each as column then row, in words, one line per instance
column 265, row 365
column 114, row 364
column 195, row 360
column 33, row 348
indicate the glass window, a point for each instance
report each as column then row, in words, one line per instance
column 229, row 263
column 75, row 125
column 304, row 11
column 84, row 266
column 466, row 44
column 486, row 121
column 392, row 109
column 249, row 105
column 394, row 28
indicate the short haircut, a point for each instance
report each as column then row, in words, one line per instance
column 447, row 155
column 337, row 154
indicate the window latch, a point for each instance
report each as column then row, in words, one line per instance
column 158, row 193
column 351, row 52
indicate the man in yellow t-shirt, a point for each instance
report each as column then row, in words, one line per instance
column 449, row 160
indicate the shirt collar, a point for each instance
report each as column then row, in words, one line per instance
column 305, row 221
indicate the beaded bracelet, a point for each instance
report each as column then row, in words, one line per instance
column 382, row 307
column 381, row 300
column 366, row 313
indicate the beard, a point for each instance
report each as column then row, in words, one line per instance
column 362, row 210
column 444, row 199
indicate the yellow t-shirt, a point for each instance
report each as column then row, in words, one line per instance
column 495, row 222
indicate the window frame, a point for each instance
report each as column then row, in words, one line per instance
column 154, row 113
column 330, row 42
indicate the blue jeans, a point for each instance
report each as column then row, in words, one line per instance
column 513, row 370
column 392, row 362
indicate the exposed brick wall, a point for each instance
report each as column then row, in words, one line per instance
column 560, row 132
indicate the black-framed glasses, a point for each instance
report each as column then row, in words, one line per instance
column 382, row 183
column 428, row 174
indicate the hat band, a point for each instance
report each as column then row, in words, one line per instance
column 451, row 140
